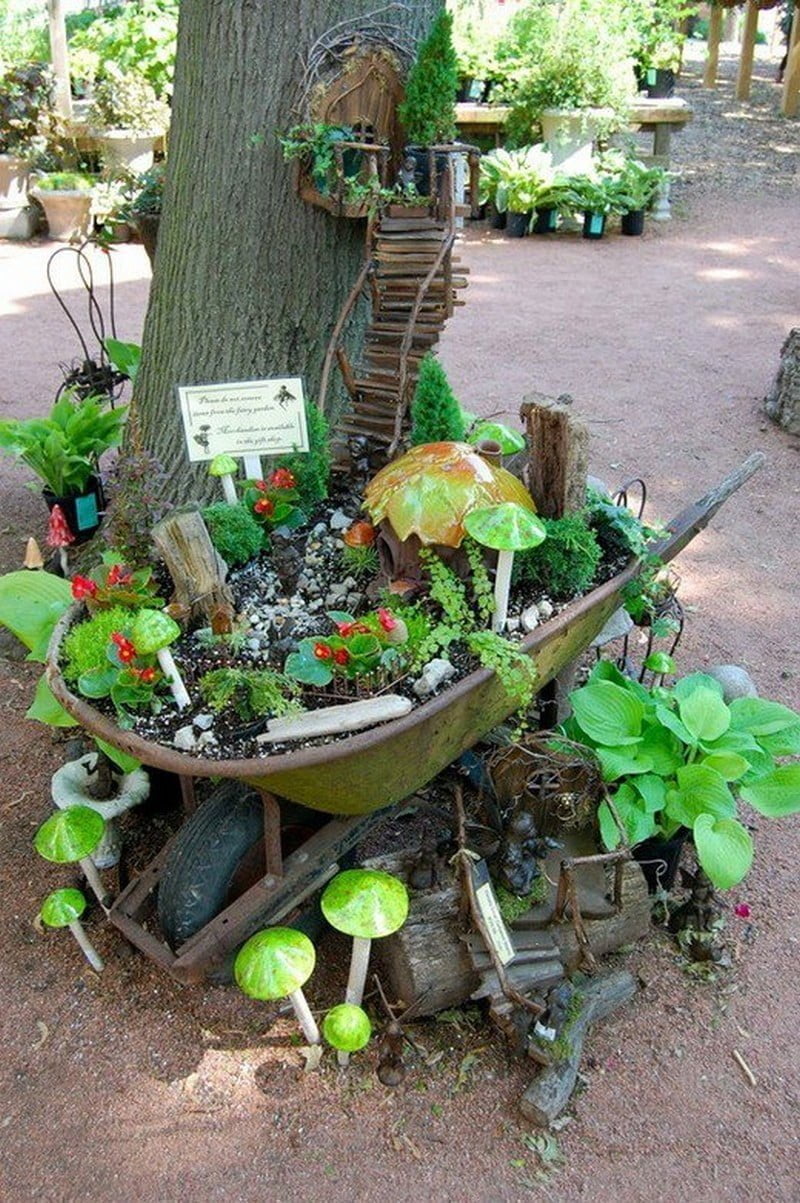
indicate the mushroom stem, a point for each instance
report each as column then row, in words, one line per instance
column 88, row 949
column 93, row 879
column 62, row 559
column 170, row 671
column 356, row 981
column 229, row 489
column 502, row 587
column 306, row 1020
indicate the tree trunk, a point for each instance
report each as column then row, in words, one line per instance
column 782, row 403
column 248, row 279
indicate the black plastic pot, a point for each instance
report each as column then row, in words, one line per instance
column 497, row 220
column 659, row 859
column 545, row 221
column 660, row 82
column 594, row 225
column 517, row 224
column 83, row 511
column 632, row 222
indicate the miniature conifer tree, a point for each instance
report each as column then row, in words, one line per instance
column 435, row 413
column 428, row 111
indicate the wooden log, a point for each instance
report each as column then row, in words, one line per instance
column 558, row 447
column 549, row 1093
column 782, row 403
column 198, row 572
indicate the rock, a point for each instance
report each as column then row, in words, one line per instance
column 350, row 583
column 353, row 602
column 254, row 644
column 529, row 618
column 185, row 739
column 203, row 722
column 736, row 682
column 319, row 530
column 545, row 609
column 619, row 624
column 512, row 624
column 339, row 520
column 434, row 674
column 206, row 740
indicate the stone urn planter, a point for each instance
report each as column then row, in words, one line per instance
column 16, row 218
column 67, row 212
column 126, row 150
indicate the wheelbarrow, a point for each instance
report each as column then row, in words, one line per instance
column 358, row 781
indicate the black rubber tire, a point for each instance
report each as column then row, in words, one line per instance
column 208, row 849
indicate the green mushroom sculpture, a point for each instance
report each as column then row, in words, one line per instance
column 365, row 904
column 63, row 908
column 506, row 528
column 276, row 963
column 71, row 835
column 347, row 1028
column 153, row 631
column 225, row 467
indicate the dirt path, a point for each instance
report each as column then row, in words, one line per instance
column 127, row 1085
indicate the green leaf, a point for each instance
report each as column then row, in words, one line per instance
column 45, row 709
column 99, row 683
column 761, row 717
column 337, row 616
column 608, row 713
column 31, row 604
column 638, row 823
column 777, row 794
column 670, row 720
column 606, row 670
column 729, row 765
column 660, row 663
column 124, row 762
column 687, row 685
column 700, row 791
column 782, row 743
column 724, row 849
column 619, row 762
column 309, row 670
column 126, row 357
column 704, row 714
column 609, row 831
column 663, row 749
column 653, row 791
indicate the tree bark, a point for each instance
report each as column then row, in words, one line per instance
column 248, row 279
column 782, row 403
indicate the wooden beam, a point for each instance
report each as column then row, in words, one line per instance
column 60, row 57
column 791, row 75
column 744, row 77
column 712, row 51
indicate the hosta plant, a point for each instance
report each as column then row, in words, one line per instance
column 681, row 757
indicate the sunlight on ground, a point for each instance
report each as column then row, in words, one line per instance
column 724, row 273
column 27, row 276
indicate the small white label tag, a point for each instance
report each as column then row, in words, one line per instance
column 490, row 913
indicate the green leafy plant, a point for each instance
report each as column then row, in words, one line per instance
column 135, row 505
column 428, row 110
column 128, row 678
column 65, row 181
column 113, row 583
column 125, row 100
column 315, row 145
column 271, row 502
column 25, row 99
column 311, row 469
column 137, row 38
column 360, row 648
column 360, row 562
column 234, row 531
column 565, row 563
column 679, row 757
column 518, row 181
column 85, row 644
column 251, row 692
column 630, row 182
column 144, row 194
column 435, row 413
column 63, row 448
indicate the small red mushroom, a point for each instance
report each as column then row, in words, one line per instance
column 59, row 535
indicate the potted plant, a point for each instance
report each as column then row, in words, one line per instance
column 24, row 100
column 659, row 44
column 427, row 113
column 518, row 182
column 314, row 145
column 636, row 186
column 126, row 117
column 66, row 197
column 142, row 206
column 570, row 74
column 63, row 450
column 595, row 195
column 678, row 758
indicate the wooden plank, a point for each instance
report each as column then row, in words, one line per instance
column 558, row 455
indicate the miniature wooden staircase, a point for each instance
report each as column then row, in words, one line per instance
column 413, row 279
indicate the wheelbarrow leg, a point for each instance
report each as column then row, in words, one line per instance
column 273, row 852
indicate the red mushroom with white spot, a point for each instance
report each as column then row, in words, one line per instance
column 59, row 535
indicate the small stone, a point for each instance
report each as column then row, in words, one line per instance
column 353, row 602
column 338, row 590
column 434, row 674
column 318, row 531
column 185, row 739
column 545, row 609
column 339, row 520
column 530, row 618
column 203, row 722
column 736, row 682
column 206, row 740
column 619, row 624
column 512, row 624
column 350, row 583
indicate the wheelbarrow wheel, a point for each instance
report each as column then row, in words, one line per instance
column 217, row 854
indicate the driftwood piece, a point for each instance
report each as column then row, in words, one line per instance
column 782, row 403
column 332, row 720
column 549, row 1093
column 559, row 454
column 197, row 571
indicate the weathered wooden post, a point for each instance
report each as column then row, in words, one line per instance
column 744, row 76
column 558, row 444
column 712, row 51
